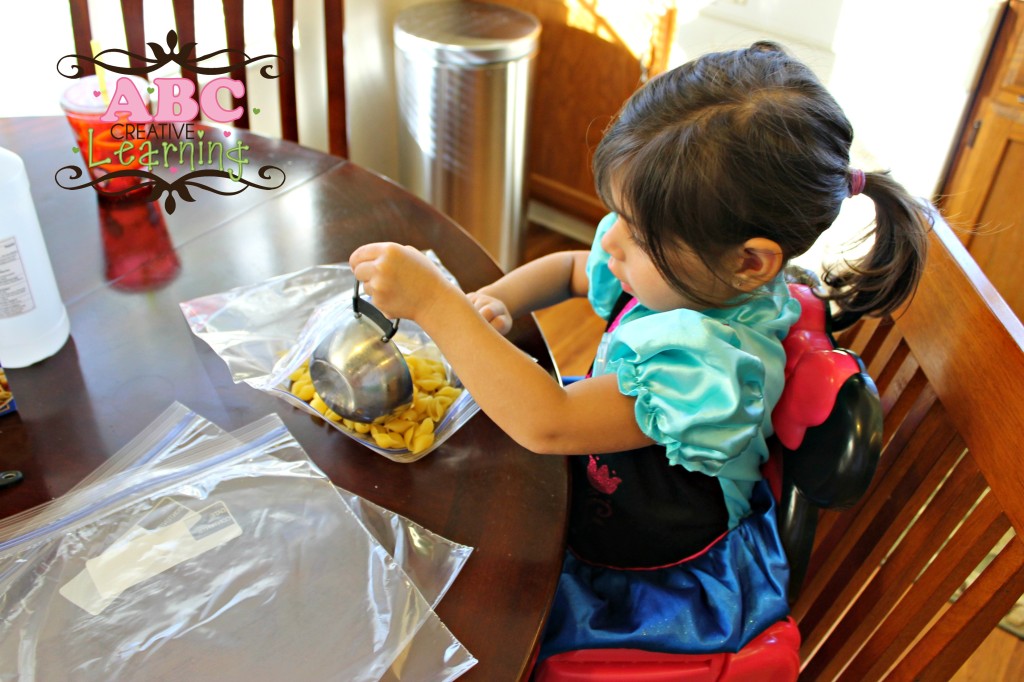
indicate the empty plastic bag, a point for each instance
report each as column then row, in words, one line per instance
column 236, row 560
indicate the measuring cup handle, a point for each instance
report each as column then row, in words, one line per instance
column 363, row 307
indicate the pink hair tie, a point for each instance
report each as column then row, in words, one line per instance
column 857, row 181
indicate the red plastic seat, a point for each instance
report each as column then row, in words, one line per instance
column 774, row 656
column 828, row 423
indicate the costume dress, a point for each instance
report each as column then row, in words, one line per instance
column 674, row 547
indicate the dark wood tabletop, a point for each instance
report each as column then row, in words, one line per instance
column 131, row 354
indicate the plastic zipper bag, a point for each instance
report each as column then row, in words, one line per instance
column 175, row 430
column 237, row 559
column 264, row 332
column 431, row 561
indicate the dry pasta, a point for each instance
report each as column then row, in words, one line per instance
column 410, row 427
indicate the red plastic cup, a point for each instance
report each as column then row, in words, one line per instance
column 137, row 247
column 99, row 142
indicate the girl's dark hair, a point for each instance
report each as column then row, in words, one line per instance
column 749, row 143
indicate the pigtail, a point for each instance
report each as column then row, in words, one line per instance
column 886, row 277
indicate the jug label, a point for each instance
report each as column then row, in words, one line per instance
column 15, row 294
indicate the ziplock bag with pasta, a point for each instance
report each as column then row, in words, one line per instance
column 237, row 559
column 265, row 332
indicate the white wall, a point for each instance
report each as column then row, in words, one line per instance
column 370, row 86
column 903, row 72
column 811, row 22
column 901, row 69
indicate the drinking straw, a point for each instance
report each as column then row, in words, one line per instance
column 101, row 73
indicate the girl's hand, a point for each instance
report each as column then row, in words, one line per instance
column 493, row 310
column 402, row 281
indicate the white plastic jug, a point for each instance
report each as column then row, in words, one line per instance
column 33, row 321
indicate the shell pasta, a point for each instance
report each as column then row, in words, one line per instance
column 410, row 427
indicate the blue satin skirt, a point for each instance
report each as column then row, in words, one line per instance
column 715, row 602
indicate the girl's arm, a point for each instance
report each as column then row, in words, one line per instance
column 538, row 284
column 589, row 416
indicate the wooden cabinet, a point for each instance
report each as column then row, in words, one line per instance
column 592, row 57
column 982, row 192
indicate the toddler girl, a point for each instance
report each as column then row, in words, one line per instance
column 718, row 173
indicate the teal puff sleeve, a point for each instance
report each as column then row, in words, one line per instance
column 604, row 288
column 705, row 384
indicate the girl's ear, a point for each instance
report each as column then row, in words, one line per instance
column 757, row 262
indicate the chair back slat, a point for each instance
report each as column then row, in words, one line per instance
column 888, row 359
column 944, row 648
column 284, row 19
column 234, row 32
column 337, row 114
column 866, row 336
column 884, row 597
column 82, row 30
column 185, row 21
column 134, row 31
column 893, row 383
column 897, row 555
column 966, row 549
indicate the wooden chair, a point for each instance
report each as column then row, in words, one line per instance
column 883, row 596
column 284, row 16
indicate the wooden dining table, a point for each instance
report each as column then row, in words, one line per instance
column 131, row 354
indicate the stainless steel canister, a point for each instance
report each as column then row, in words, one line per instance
column 464, row 72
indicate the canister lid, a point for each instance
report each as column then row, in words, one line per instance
column 11, row 166
column 467, row 32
